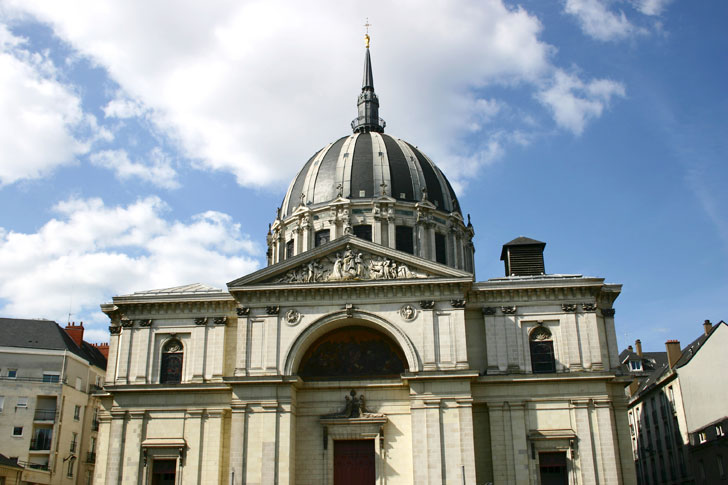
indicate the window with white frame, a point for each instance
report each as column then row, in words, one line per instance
column 51, row 376
column 635, row 365
column 719, row 430
column 12, row 373
column 76, row 413
column 2, row 403
column 701, row 437
column 17, row 431
column 79, row 384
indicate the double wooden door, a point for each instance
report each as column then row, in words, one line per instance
column 354, row 462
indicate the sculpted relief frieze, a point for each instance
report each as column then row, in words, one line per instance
column 350, row 265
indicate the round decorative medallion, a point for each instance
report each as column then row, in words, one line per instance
column 292, row 317
column 408, row 312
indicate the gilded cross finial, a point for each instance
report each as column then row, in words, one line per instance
column 366, row 36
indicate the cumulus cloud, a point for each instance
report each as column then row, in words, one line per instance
column 651, row 7
column 42, row 123
column 92, row 251
column 156, row 169
column 252, row 87
column 574, row 102
column 596, row 20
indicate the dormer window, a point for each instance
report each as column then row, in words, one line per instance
column 635, row 365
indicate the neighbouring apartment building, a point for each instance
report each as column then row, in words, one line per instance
column 48, row 412
column 678, row 409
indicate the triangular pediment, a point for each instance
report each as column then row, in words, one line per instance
column 349, row 259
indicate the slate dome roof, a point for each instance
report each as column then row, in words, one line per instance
column 361, row 163
column 369, row 164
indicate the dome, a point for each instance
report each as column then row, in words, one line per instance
column 366, row 166
column 375, row 187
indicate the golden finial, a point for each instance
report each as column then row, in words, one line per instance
column 366, row 36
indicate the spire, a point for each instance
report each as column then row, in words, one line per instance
column 368, row 103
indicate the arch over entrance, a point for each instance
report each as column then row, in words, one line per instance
column 367, row 327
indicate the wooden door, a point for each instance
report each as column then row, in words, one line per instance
column 354, row 462
column 164, row 472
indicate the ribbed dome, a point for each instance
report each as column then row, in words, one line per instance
column 356, row 166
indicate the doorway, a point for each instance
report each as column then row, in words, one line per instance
column 164, row 472
column 552, row 468
column 354, row 462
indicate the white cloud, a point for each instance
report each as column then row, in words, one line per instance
column 574, row 102
column 251, row 88
column 651, row 7
column 597, row 21
column 123, row 107
column 93, row 251
column 39, row 117
column 157, row 170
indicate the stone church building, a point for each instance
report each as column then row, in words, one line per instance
column 365, row 352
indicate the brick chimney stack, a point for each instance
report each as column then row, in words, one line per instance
column 75, row 332
column 707, row 326
column 638, row 346
column 103, row 348
column 673, row 352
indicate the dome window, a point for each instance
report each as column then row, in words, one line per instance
column 322, row 237
column 440, row 248
column 289, row 249
column 363, row 231
column 404, row 240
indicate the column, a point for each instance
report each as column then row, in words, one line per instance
column 419, row 442
column 270, row 358
column 582, row 325
column 141, row 350
column 391, row 233
column 116, row 443
column 460, row 342
column 512, row 338
column 122, row 376
column 111, row 362
column 611, row 337
column 211, row 450
column 443, row 338
column 607, row 443
column 520, row 444
column 241, row 362
column 199, row 342
column 193, row 433
column 491, row 346
column 497, row 442
column 572, row 341
column 624, row 450
column 429, row 344
column 132, row 448
column 286, row 445
column 102, row 447
column 434, row 451
column 585, row 443
column 215, row 351
column 237, row 444
column 467, row 440
column 501, row 342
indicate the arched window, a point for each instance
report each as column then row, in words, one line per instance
column 354, row 352
column 172, row 358
column 542, row 351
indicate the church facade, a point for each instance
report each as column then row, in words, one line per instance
column 366, row 352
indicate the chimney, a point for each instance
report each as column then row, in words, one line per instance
column 103, row 348
column 523, row 257
column 75, row 332
column 673, row 352
column 707, row 326
column 629, row 347
column 638, row 346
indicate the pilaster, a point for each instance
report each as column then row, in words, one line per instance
column 132, row 448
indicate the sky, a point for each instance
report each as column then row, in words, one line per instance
column 147, row 144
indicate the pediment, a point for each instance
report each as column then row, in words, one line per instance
column 348, row 259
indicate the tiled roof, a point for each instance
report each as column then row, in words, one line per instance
column 45, row 334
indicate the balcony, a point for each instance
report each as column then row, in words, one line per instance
column 41, row 443
column 45, row 415
column 32, row 379
column 91, row 457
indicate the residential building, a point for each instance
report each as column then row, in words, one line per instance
column 48, row 412
column 678, row 408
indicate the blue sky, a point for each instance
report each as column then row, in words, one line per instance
column 148, row 145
